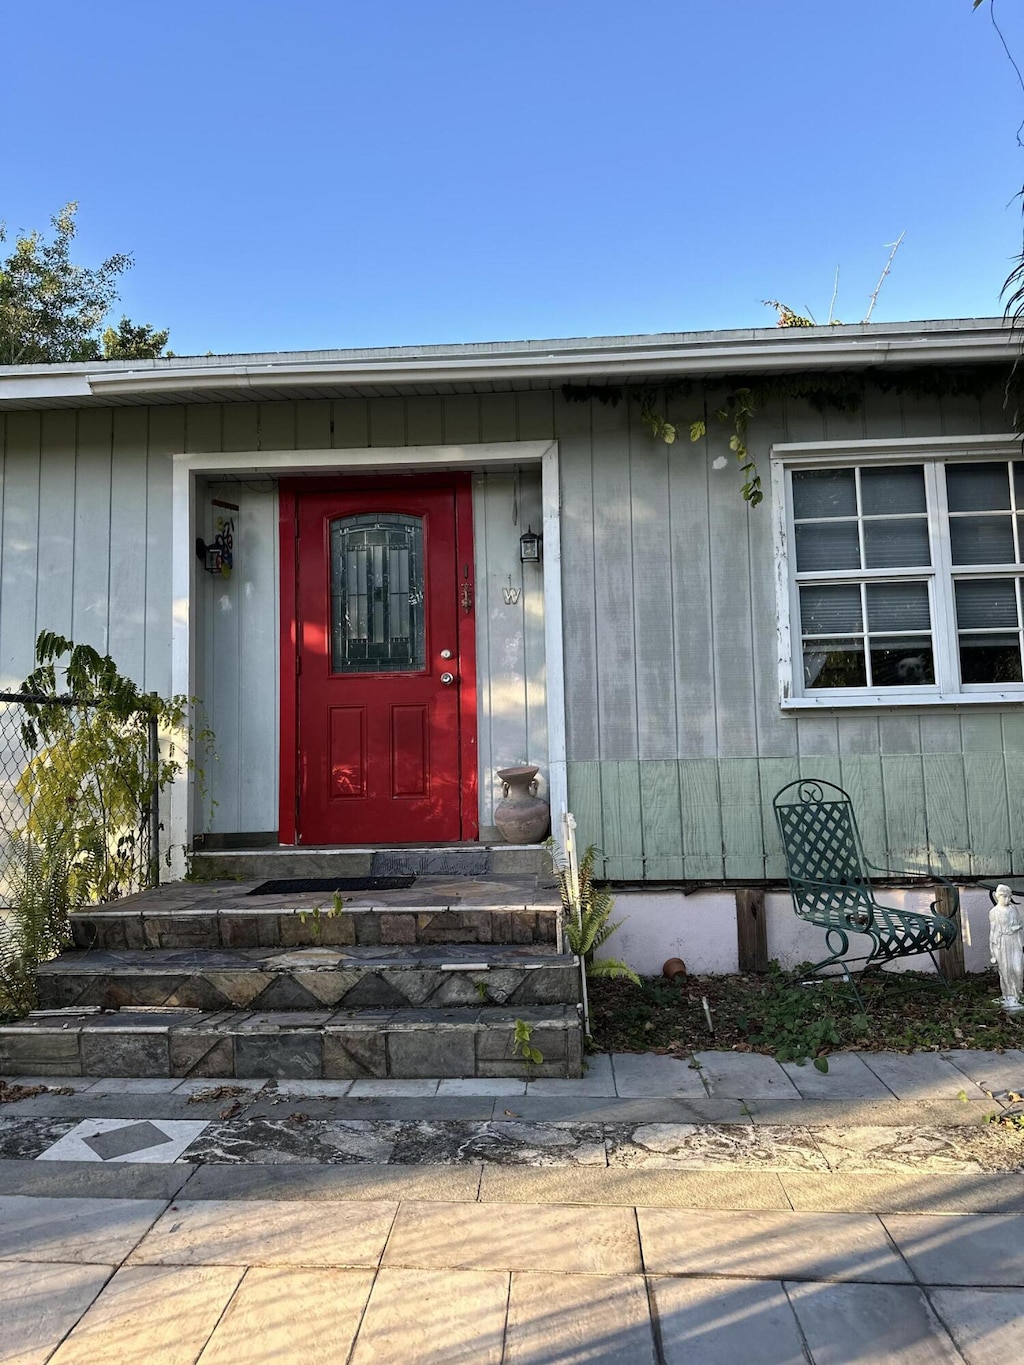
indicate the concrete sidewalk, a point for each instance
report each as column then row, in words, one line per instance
column 654, row 1211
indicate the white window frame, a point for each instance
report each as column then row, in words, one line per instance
column 932, row 452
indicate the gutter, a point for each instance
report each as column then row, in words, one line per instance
column 619, row 362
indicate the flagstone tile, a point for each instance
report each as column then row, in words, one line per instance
column 434, row 1318
column 849, row 1324
column 97, row 1231
column 41, row 1304
column 268, row 1232
column 151, row 1315
column 972, row 1249
column 550, row 1237
column 576, row 1318
column 797, row 1246
column 984, row 1323
column 279, row 1315
column 725, row 1322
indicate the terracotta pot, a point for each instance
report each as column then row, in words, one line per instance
column 673, row 968
column 522, row 817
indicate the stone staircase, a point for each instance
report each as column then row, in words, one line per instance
column 426, row 971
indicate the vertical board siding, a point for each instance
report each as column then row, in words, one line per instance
column 19, row 563
column 90, row 611
column 56, row 556
column 129, row 570
column 579, row 618
column 689, row 577
column 654, row 645
column 676, row 744
column 512, row 715
column 614, row 584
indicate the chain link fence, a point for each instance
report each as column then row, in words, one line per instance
column 79, row 815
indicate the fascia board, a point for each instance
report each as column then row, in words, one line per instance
column 691, row 358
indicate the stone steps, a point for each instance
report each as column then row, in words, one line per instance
column 471, row 860
column 345, row 978
column 408, row 1043
column 418, row 976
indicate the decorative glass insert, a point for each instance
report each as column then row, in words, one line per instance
column 377, row 617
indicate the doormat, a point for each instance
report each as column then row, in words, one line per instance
column 288, row 885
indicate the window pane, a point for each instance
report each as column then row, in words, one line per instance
column 978, row 487
column 900, row 489
column 824, row 493
column 822, row 546
column 982, row 604
column 990, row 659
column 981, row 540
column 896, row 544
column 834, row 663
column 898, row 606
column 830, row 610
column 902, row 663
column 1018, row 482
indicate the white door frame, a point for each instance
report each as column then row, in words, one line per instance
column 286, row 463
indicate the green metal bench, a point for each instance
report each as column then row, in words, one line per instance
column 830, row 879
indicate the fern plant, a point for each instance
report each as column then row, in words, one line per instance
column 587, row 922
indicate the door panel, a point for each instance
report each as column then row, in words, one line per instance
column 380, row 592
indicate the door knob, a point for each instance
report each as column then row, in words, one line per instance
column 446, row 654
column 447, row 679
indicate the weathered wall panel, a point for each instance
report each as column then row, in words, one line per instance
column 675, row 740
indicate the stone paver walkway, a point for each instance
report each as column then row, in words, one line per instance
column 91, row 1280
column 654, row 1211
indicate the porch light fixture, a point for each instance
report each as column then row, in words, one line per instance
column 529, row 547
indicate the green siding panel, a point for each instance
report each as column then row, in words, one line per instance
column 585, row 803
column 623, row 825
column 945, row 798
column 662, row 820
column 700, row 800
column 742, row 833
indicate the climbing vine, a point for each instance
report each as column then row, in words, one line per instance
column 736, row 400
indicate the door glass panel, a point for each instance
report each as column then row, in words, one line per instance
column 377, row 620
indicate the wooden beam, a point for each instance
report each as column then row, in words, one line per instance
column 951, row 959
column 751, row 931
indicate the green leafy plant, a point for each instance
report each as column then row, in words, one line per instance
column 523, row 1047
column 797, row 1022
column 85, row 796
column 587, row 924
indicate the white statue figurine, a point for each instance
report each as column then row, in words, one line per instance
column 1006, row 946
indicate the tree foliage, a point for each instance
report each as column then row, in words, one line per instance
column 126, row 341
column 52, row 309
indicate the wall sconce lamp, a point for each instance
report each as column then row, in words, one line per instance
column 529, row 547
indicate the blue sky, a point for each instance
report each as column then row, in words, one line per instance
column 388, row 172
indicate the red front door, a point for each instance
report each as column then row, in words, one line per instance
column 384, row 664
